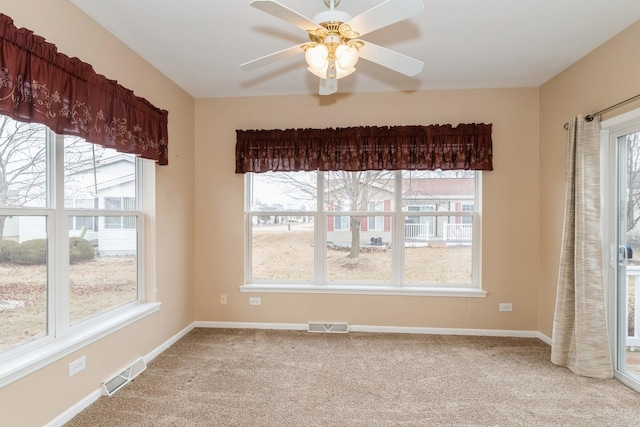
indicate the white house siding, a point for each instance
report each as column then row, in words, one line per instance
column 32, row 227
column 117, row 242
column 342, row 238
column 11, row 227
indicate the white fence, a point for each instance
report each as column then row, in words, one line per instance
column 458, row 232
column 633, row 272
column 416, row 231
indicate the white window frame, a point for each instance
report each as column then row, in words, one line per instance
column 62, row 338
column 396, row 286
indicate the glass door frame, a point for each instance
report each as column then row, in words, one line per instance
column 611, row 180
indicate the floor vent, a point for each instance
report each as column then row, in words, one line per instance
column 116, row 383
column 334, row 328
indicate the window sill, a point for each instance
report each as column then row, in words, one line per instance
column 23, row 364
column 365, row 290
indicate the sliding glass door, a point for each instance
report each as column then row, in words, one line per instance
column 625, row 255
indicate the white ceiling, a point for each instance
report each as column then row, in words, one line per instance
column 464, row 43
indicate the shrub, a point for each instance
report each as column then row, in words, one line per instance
column 30, row 252
column 7, row 247
column 80, row 250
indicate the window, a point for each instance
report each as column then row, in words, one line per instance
column 467, row 207
column 355, row 230
column 82, row 223
column 341, row 222
column 119, row 203
column 62, row 196
column 376, row 222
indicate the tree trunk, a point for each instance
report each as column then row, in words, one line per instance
column 2, row 219
column 355, row 236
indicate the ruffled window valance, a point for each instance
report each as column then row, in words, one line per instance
column 445, row 147
column 38, row 84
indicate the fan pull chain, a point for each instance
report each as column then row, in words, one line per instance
column 331, row 68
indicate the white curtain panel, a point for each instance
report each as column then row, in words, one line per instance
column 580, row 337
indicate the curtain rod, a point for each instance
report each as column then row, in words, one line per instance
column 589, row 117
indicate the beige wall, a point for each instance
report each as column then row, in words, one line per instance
column 521, row 217
column 510, row 208
column 43, row 395
column 605, row 77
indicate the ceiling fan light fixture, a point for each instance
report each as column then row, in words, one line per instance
column 334, row 47
column 331, row 61
column 346, row 56
column 316, row 56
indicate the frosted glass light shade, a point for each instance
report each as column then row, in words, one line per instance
column 317, row 58
column 346, row 56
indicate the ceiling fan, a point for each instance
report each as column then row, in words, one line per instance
column 335, row 46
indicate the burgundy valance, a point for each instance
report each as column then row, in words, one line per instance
column 38, row 84
column 445, row 147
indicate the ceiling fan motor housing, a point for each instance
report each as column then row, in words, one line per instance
column 331, row 16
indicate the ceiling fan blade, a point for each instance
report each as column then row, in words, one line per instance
column 386, row 13
column 281, row 11
column 391, row 59
column 272, row 57
column 328, row 86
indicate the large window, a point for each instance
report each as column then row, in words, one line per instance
column 355, row 230
column 70, row 223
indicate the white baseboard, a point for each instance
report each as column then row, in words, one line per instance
column 67, row 415
column 252, row 325
column 544, row 338
column 171, row 341
column 381, row 329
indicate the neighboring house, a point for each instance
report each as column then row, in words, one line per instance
column 424, row 195
column 111, row 186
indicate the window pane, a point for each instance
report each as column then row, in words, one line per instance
column 437, row 249
column 113, row 203
column 280, row 191
column 93, row 172
column 282, row 248
column 356, row 253
column 359, row 191
column 103, row 269
column 438, row 263
column 438, row 191
column 23, row 280
column 23, row 164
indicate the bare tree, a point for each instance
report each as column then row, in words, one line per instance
column 633, row 180
column 354, row 191
column 23, row 164
column 345, row 191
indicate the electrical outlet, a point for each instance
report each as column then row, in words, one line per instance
column 506, row 306
column 255, row 301
column 77, row 366
column 223, row 298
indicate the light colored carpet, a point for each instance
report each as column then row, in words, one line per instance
column 292, row 378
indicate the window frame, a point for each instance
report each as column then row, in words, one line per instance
column 63, row 338
column 398, row 215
